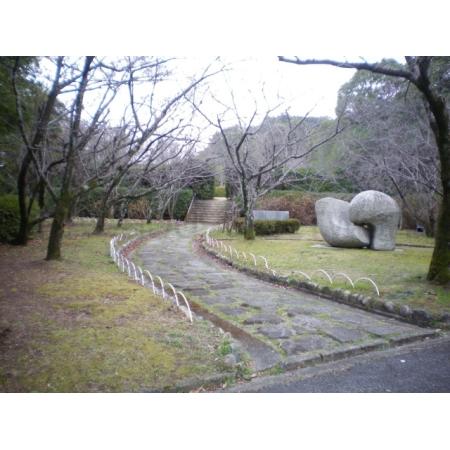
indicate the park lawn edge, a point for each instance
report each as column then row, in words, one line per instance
column 417, row 316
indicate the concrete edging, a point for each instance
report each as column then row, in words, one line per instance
column 404, row 313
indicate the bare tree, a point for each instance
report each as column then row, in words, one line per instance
column 167, row 134
column 87, row 148
column 168, row 182
column 159, row 179
column 75, row 144
column 417, row 72
column 264, row 156
column 40, row 156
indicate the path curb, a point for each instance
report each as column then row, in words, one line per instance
column 386, row 308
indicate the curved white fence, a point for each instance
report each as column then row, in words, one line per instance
column 144, row 277
column 227, row 249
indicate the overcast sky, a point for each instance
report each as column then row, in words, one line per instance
column 268, row 81
column 256, row 83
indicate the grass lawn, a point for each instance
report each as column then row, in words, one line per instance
column 78, row 325
column 400, row 274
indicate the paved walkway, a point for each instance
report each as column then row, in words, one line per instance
column 289, row 326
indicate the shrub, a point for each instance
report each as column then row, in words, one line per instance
column 10, row 217
column 301, row 205
column 182, row 204
column 204, row 190
column 138, row 208
column 89, row 203
column 220, row 191
column 265, row 227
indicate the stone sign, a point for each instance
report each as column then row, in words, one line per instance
column 260, row 214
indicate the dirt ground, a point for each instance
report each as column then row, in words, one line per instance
column 78, row 325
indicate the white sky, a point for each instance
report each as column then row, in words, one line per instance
column 257, row 82
column 300, row 88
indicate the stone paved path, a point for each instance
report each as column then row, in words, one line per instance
column 291, row 326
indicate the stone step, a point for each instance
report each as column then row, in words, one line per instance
column 201, row 215
column 218, row 213
column 204, row 216
column 208, row 211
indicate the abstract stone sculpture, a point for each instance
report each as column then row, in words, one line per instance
column 335, row 226
column 370, row 220
column 380, row 213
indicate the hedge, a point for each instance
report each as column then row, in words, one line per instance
column 182, row 204
column 204, row 190
column 10, row 217
column 301, row 205
column 220, row 191
column 265, row 227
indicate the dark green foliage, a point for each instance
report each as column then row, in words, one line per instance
column 204, row 189
column 229, row 191
column 265, row 227
column 30, row 94
column 220, row 191
column 88, row 205
column 25, row 85
column 10, row 217
column 182, row 204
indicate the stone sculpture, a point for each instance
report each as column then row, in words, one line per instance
column 335, row 226
column 371, row 219
column 380, row 213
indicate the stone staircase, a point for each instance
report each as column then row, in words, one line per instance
column 209, row 211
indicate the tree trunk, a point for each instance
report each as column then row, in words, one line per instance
column 61, row 213
column 57, row 229
column 22, row 235
column 430, row 225
column 440, row 261
column 249, row 226
column 123, row 210
column 41, row 203
column 72, row 212
column 64, row 202
column 149, row 214
column 100, row 224
column 439, row 270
